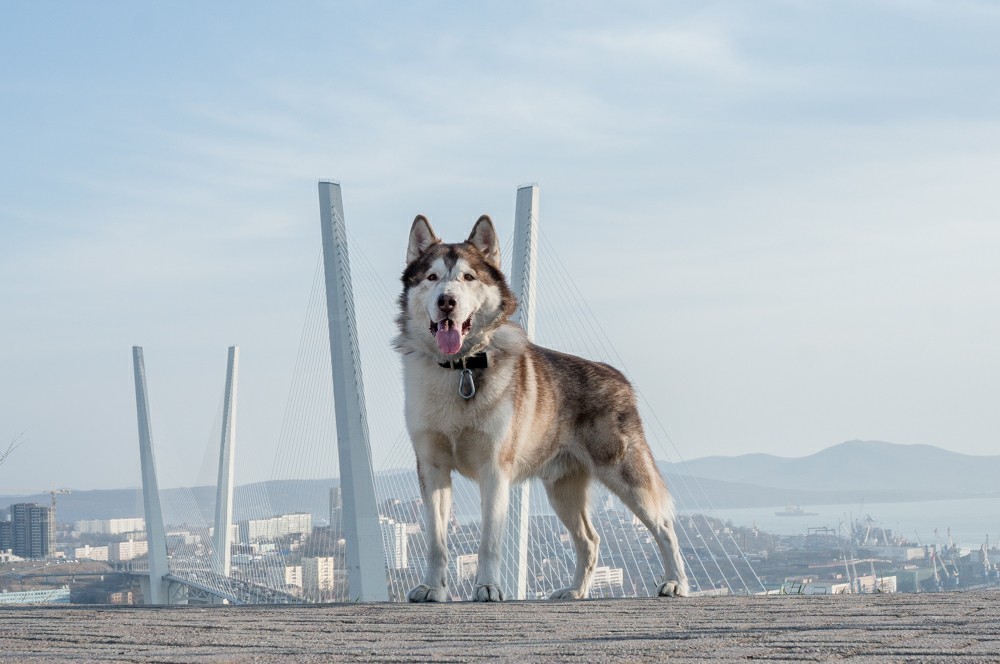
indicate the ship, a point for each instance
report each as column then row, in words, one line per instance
column 795, row 511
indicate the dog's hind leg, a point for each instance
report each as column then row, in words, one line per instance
column 637, row 482
column 494, row 489
column 568, row 496
column 435, row 486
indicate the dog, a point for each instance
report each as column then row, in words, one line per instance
column 482, row 400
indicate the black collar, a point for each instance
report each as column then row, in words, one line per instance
column 477, row 361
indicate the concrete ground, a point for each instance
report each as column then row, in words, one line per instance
column 952, row 627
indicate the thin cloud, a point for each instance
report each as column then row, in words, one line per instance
column 694, row 49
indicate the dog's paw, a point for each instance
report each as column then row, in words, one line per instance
column 425, row 593
column 672, row 589
column 487, row 592
column 567, row 593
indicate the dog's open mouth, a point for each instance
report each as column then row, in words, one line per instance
column 449, row 336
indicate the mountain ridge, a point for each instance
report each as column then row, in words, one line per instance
column 857, row 465
column 838, row 474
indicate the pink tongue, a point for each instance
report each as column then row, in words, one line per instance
column 449, row 341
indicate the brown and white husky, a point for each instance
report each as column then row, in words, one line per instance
column 484, row 401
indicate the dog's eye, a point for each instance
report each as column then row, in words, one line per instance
column 469, row 277
column 432, row 277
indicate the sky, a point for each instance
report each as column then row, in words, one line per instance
column 784, row 215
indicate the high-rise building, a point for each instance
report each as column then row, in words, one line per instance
column 293, row 575
column 111, row 526
column 88, row 552
column 129, row 550
column 608, row 578
column 336, row 512
column 466, row 565
column 257, row 530
column 6, row 535
column 119, row 552
column 394, row 539
column 31, row 530
column 317, row 578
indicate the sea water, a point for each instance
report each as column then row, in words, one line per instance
column 971, row 520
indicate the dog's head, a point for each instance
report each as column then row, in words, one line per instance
column 454, row 295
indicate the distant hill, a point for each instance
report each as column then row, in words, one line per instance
column 694, row 494
column 852, row 472
column 859, row 466
column 192, row 505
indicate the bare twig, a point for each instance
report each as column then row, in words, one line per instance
column 14, row 444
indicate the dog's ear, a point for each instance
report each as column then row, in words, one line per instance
column 484, row 238
column 421, row 238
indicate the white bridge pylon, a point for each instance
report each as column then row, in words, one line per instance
column 161, row 586
column 523, row 275
column 223, row 533
column 156, row 587
column 365, row 552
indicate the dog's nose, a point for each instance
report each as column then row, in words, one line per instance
column 446, row 303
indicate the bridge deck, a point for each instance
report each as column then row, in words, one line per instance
column 953, row 627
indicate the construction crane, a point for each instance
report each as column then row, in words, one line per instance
column 51, row 492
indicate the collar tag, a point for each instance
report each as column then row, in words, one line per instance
column 466, row 384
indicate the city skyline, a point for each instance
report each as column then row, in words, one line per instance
column 291, row 559
column 784, row 223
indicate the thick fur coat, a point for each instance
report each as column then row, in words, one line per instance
column 534, row 412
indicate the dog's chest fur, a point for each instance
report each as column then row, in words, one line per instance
column 463, row 434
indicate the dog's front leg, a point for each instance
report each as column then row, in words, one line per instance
column 435, row 485
column 494, row 489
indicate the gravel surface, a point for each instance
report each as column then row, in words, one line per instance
column 952, row 627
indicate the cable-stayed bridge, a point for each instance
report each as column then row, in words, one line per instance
column 341, row 518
